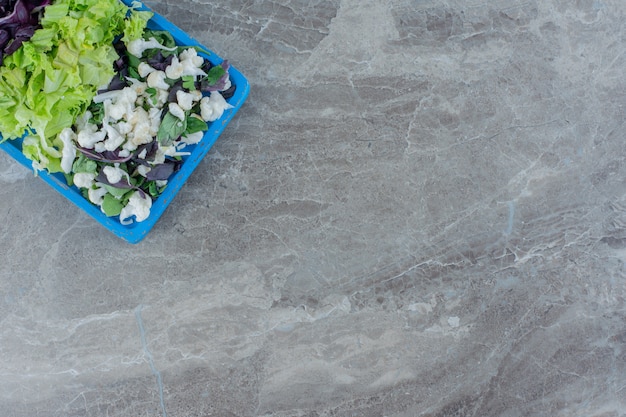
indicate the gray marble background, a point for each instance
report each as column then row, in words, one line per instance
column 419, row 211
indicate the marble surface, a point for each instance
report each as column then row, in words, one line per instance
column 419, row 211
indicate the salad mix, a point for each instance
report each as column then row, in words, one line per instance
column 106, row 101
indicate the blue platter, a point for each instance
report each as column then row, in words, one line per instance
column 136, row 231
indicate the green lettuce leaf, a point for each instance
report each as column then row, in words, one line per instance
column 53, row 77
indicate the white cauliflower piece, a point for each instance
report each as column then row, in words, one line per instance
column 138, row 46
column 84, row 179
column 175, row 69
column 212, row 107
column 154, row 114
column 142, row 133
column 159, row 156
column 124, row 127
column 99, row 147
column 67, row 136
column 162, row 97
column 114, row 174
column 190, row 68
column 139, row 206
column 119, row 105
column 192, row 55
column 143, row 170
column 185, row 100
column 138, row 115
column 193, row 138
column 138, row 86
column 96, row 195
column 114, row 138
column 156, row 79
column 88, row 139
column 144, row 69
column 177, row 111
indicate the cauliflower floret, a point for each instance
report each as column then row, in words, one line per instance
column 138, row 86
column 118, row 106
column 175, row 69
column 162, row 97
column 138, row 115
column 185, row 100
column 129, row 145
column 88, row 139
column 84, row 179
column 138, row 46
column 96, row 195
column 192, row 55
column 212, row 107
column 193, row 138
column 177, row 111
column 139, row 205
column 114, row 139
column 141, row 133
column 144, row 69
column 156, row 79
column 159, row 156
column 114, row 111
column 197, row 95
column 143, row 170
column 99, row 147
column 114, row 174
column 123, row 127
column 154, row 115
column 67, row 136
column 190, row 68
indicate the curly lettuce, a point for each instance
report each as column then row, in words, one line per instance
column 53, row 77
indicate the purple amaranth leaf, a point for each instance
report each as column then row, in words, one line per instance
column 22, row 34
column 159, row 62
column 4, row 37
column 106, row 156
column 151, row 150
column 178, row 86
column 163, row 171
column 118, row 82
column 18, row 20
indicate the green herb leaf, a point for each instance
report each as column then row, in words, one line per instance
column 214, row 74
column 195, row 124
column 97, row 113
column 189, row 82
column 171, row 128
column 116, row 192
column 111, row 205
column 84, row 164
